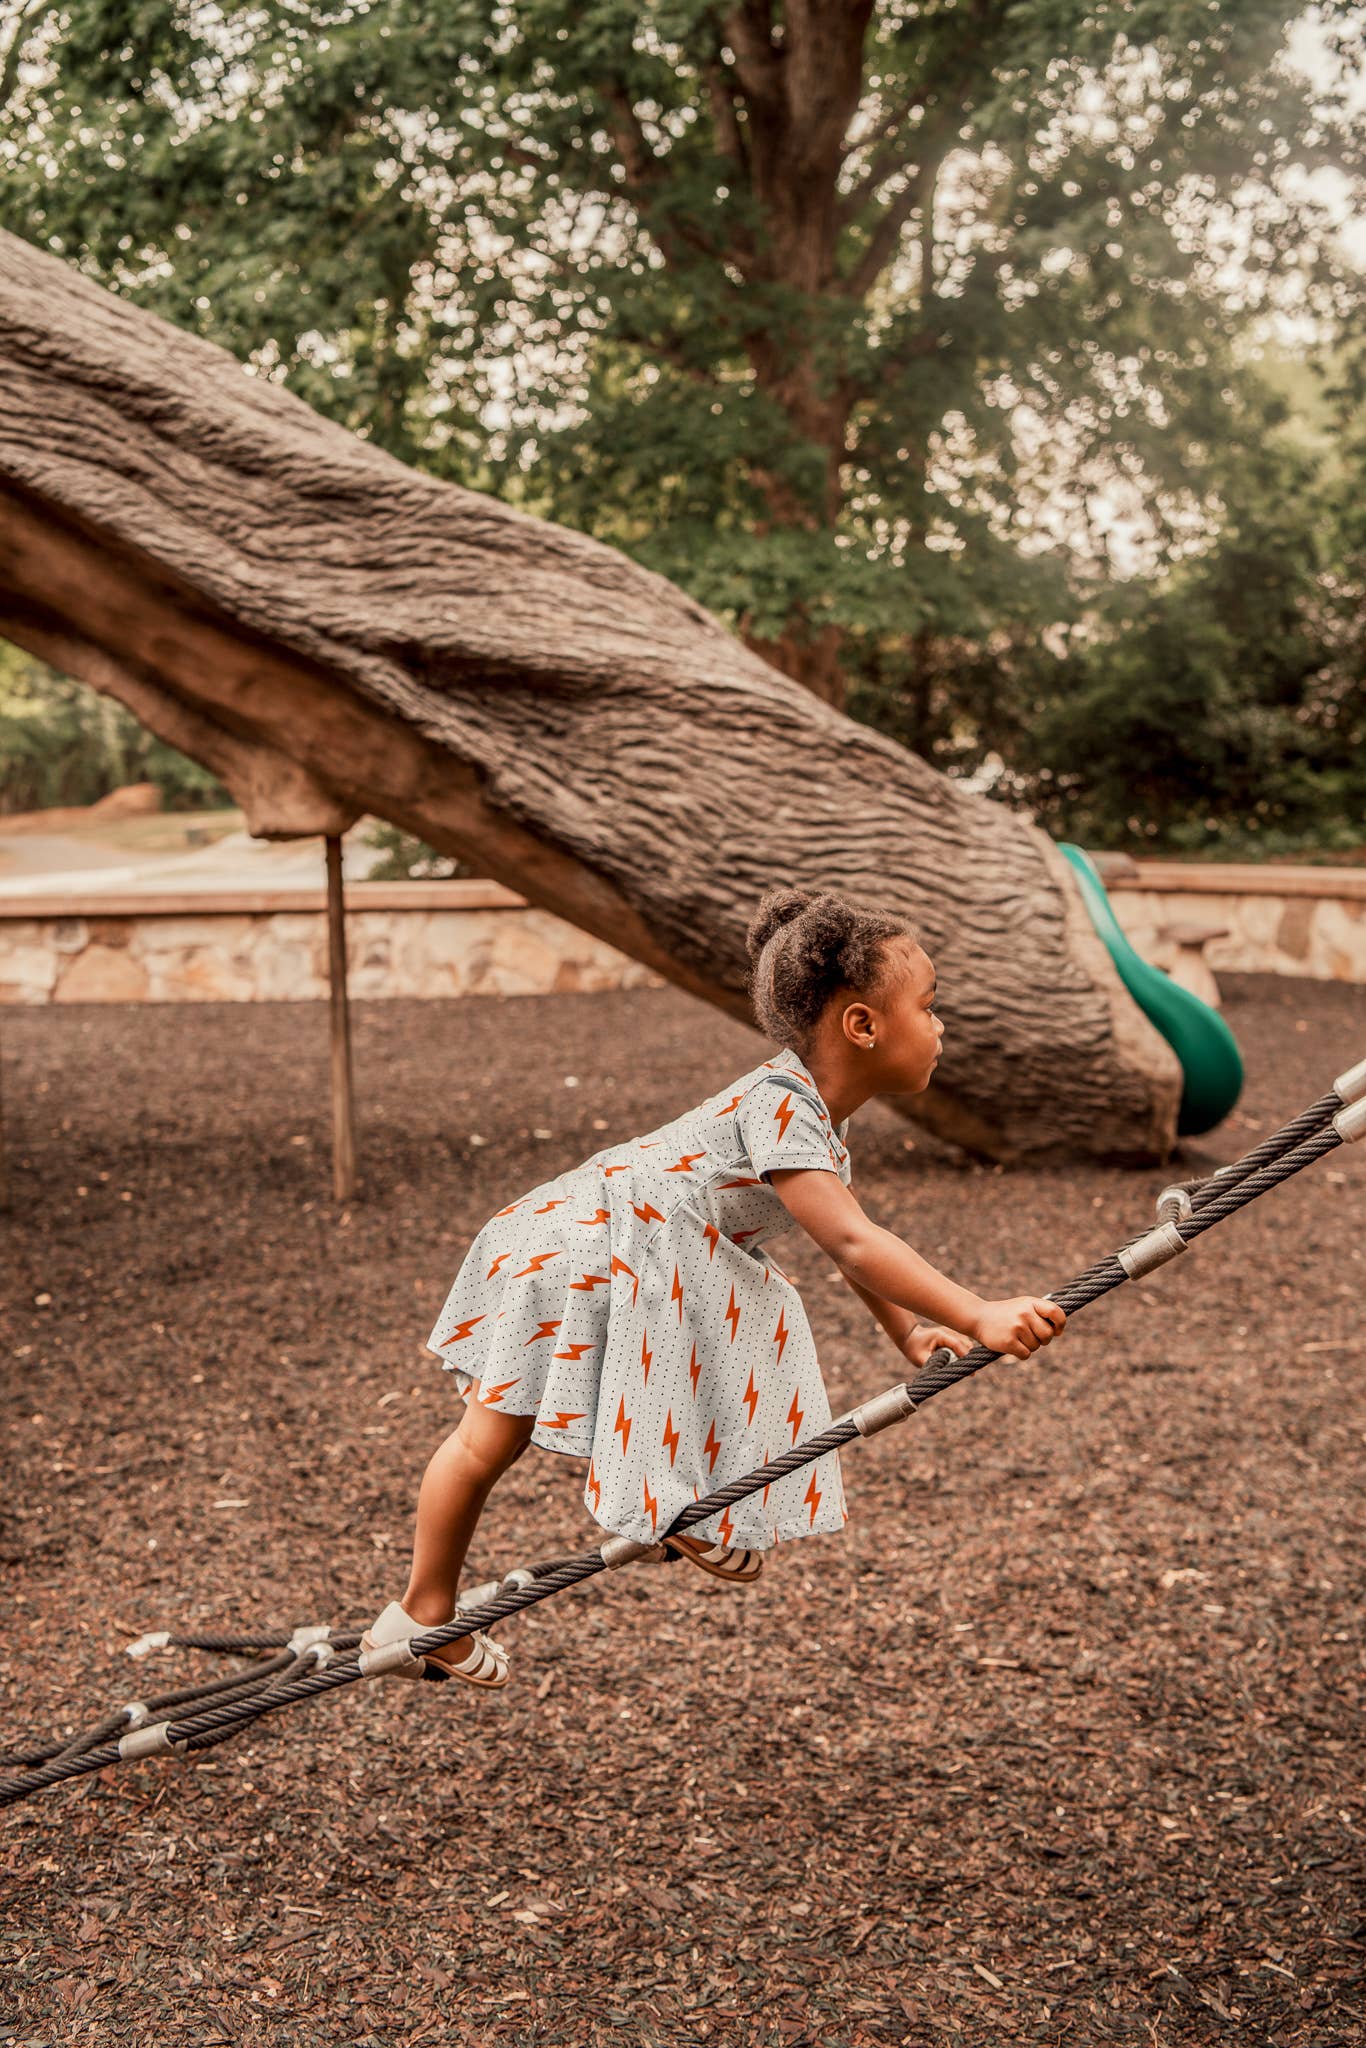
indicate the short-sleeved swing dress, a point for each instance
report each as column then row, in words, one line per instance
column 631, row 1306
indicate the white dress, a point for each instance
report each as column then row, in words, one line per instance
column 631, row 1306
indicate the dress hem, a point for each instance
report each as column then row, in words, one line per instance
column 744, row 1538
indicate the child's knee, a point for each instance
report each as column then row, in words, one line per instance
column 492, row 1442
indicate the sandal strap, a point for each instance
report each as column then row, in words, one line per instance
column 485, row 1657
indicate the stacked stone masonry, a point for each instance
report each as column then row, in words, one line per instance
column 473, row 938
column 203, row 955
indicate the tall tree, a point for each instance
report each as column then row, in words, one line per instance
column 810, row 306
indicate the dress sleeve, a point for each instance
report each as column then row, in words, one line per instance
column 781, row 1126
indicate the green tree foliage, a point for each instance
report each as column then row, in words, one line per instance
column 63, row 743
column 825, row 311
column 407, row 858
column 1223, row 708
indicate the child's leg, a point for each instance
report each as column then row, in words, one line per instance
column 457, row 1482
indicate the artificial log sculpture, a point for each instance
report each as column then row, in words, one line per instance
column 334, row 634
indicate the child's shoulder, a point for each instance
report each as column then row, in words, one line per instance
column 788, row 1076
column 782, row 1072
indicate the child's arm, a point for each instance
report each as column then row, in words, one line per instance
column 913, row 1339
column 876, row 1259
column 898, row 1322
column 895, row 1319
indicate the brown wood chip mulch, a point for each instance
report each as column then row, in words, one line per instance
column 1059, row 1743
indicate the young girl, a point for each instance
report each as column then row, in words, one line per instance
column 628, row 1312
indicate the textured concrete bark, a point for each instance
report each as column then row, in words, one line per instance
column 334, row 633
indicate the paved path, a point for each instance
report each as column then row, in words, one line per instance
column 41, row 863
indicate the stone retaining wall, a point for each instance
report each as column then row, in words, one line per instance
column 402, row 939
column 1305, row 921
column 476, row 938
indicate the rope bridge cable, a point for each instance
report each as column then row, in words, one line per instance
column 221, row 1708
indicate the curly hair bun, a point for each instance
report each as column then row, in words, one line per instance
column 822, row 944
column 777, row 907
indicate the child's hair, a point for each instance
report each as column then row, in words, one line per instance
column 803, row 947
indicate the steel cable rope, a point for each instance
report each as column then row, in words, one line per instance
column 1186, row 1210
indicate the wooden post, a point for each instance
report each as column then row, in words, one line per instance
column 343, row 1116
column 4, row 1171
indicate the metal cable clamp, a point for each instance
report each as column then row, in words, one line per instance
column 1153, row 1249
column 155, row 1639
column 1351, row 1086
column 883, row 1410
column 150, row 1741
column 1350, row 1123
column 620, row 1550
column 304, row 1638
column 389, row 1657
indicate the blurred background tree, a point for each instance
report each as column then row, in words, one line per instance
column 63, row 743
column 921, row 343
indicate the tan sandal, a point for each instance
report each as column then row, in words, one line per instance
column 486, row 1662
column 740, row 1565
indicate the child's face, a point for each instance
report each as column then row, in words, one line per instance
column 910, row 1032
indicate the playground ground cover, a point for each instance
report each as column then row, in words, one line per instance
column 1058, row 1743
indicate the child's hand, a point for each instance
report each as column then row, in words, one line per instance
column 918, row 1343
column 1017, row 1328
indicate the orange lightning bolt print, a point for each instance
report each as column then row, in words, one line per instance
column 496, row 1264
column 493, row 1394
column 693, row 1370
column 783, row 1115
column 780, row 1337
column 557, row 1202
column 676, row 1293
column 460, row 1331
column 684, row 1162
column 646, row 1355
column 800, row 1072
column 670, row 1438
column 732, row 1105
column 594, row 1485
column 794, row 1415
column 562, row 1420
column 647, row 1212
column 726, row 1528
column 535, row 1265
column 588, row 1283
column 733, row 1315
column 546, row 1330
column 651, row 1504
column 573, row 1351
column 598, row 1216
column 750, row 1397
column 622, row 1425
column 713, row 1237
column 813, row 1495
column 712, row 1446
column 620, row 1266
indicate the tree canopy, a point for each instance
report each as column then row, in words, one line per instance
column 836, row 314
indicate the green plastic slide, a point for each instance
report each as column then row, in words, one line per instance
column 1198, row 1035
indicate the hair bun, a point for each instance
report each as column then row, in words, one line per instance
column 777, row 907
